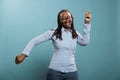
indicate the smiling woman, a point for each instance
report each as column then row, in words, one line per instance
column 21, row 20
column 66, row 20
column 65, row 39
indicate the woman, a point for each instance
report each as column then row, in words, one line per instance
column 64, row 38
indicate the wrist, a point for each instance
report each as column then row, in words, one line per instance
column 24, row 55
column 87, row 21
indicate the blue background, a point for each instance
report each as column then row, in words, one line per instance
column 21, row 20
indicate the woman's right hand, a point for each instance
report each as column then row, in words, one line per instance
column 19, row 58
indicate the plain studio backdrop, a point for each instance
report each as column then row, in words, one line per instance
column 21, row 20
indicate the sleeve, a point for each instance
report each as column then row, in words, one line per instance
column 37, row 40
column 84, row 40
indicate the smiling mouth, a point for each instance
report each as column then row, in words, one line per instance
column 67, row 24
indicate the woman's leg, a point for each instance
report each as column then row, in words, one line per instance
column 72, row 76
column 54, row 75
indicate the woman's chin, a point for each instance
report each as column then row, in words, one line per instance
column 68, row 26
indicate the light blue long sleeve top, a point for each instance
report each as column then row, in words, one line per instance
column 63, row 58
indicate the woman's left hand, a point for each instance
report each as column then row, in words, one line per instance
column 87, row 17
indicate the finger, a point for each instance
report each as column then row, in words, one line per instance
column 88, row 17
column 17, row 61
column 87, row 14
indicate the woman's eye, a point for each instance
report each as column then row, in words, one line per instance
column 62, row 19
column 65, row 19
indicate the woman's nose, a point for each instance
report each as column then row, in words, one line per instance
column 68, row 20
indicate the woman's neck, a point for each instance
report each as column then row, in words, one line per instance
column 67, row 28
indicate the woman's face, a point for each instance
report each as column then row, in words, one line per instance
column 66, row 20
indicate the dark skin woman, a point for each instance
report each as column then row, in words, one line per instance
column 65, row 38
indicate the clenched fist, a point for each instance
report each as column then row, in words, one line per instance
column 19, row 58
column 87, row 17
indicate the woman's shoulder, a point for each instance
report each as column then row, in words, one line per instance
column 53, row 29
column 78, row 33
